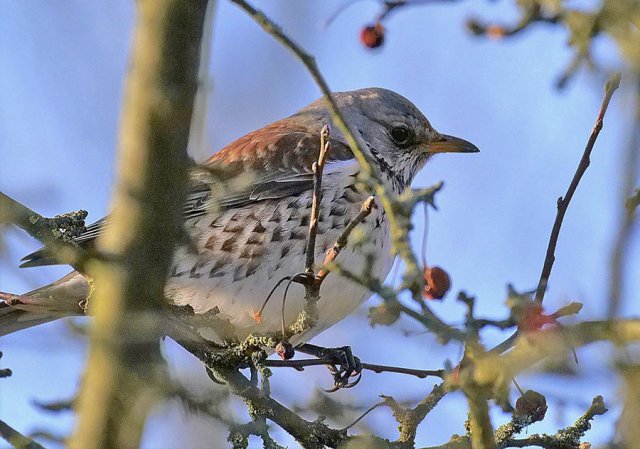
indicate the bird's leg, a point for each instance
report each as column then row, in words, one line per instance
column 342, row 357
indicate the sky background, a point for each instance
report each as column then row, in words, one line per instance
column 62, row 66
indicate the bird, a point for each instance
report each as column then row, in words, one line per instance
column 247, row 216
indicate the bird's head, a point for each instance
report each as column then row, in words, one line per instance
column 396, row 137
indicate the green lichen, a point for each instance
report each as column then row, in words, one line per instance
column 238, row 440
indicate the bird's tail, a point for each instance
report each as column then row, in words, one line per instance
column 48, row 303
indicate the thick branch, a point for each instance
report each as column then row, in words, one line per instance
column 145, row 225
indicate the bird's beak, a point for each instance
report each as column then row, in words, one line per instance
column 450, row 144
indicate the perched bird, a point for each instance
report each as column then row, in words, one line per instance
column 246, row 239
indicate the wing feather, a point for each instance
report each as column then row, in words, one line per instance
column 280, row 157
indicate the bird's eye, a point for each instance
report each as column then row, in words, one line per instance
column 400, row 135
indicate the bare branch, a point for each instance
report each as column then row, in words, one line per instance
column 16, row 439
column 563, row 202
column 341, row 242
column 301, row 364
column 318, row 168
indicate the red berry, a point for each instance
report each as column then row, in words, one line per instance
column 437, row 282
column 372, row 36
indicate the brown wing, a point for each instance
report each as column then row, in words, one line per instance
column 279, row 158
column 281, row 146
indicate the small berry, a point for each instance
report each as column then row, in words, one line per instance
column 437, row 282
column 532, row 405
column 285, row 350
column 372, row 36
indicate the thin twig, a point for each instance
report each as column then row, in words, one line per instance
column 312, row 67
column 56, row 233
column 567, row 438
column 341, row 242
column 318, row 168
column 284, row 303
column 16, row 439
column 301, row 364
column 359, row 418
column 563, row 202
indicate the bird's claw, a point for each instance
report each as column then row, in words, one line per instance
column 342, row 365
column 341, row 381
column 345, row 367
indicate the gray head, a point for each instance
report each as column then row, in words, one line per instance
column 396, row 136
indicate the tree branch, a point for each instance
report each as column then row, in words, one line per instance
column 563, row 202
column 145, row 225
column 16, row 439
column 532, row 347
column 302, row 364
column 318, row 169
column 341, row 242
column 56, row 233
column 309, row 434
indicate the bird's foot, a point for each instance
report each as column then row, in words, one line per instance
column 342, row 364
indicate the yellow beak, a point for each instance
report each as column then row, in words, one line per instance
column 451, row 144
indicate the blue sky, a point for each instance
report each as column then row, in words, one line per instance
column 62, row 70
